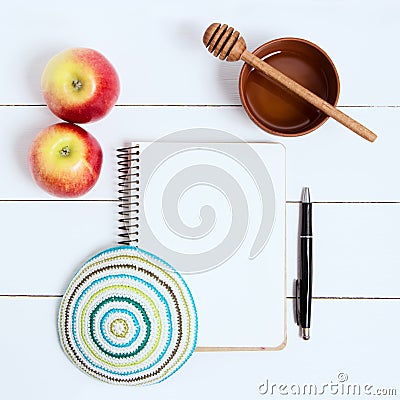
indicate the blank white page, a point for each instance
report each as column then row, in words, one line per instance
column 216, row 213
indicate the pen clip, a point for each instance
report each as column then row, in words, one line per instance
column 297, row 302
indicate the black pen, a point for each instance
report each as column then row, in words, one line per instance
column 304, row 283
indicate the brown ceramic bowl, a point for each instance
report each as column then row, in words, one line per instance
column 273, row 107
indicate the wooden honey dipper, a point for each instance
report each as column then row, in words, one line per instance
column 226, row 43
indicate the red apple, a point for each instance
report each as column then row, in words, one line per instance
column 65, row 160
column 80, row 85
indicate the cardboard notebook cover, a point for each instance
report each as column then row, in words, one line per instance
column 216, row 213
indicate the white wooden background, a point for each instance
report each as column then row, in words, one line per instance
column 169, row 82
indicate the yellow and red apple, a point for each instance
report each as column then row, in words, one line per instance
column 80, row 85
column 65, row 160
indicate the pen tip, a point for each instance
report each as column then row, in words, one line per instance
column 306, row 333
column 305, row 196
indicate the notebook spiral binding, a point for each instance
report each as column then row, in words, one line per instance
column 128, row 189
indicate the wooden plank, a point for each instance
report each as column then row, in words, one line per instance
column 355, row 246
column 334, row 162
column 157, row 49
column 44, row 243
column 355, row 249
column 357, row 338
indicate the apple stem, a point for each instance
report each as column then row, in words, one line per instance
column 77, row 84
column 65, row 151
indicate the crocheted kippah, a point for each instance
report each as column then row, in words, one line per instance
column 128, row 318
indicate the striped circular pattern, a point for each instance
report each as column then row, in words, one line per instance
column 128, row 318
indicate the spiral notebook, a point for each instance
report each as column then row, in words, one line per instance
column 216, row 212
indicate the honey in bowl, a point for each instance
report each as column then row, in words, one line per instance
column 276, row 109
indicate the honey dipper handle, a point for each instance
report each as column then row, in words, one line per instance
column 307, row 95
